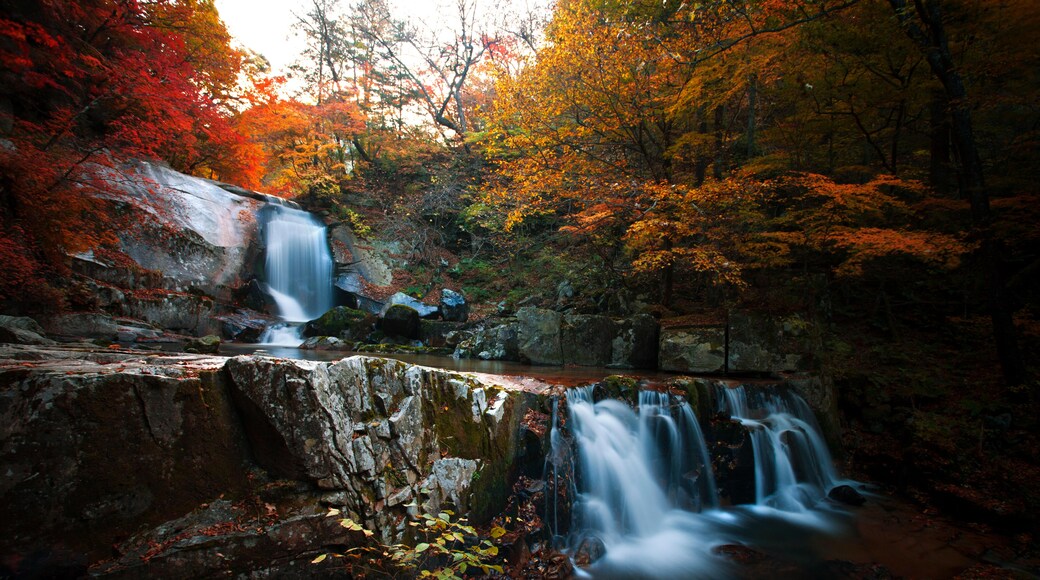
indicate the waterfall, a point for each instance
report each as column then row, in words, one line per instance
column 793, row 467
column 298, row 268
column 644, row 476
column 645, row 496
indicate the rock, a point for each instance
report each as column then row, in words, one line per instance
column 341, row 322
column 846, row 494
column 437, row 333
column 209, row 344
column 187, row 313
column 538, row 336
column 693, row 349
column 83, row 325
column 400, row 320
column 221, row 537
column 327, row 343
column 587, row 340
column 635, row 343
column 21, row 330
column 371, row 427
column 424, row 310
column 92, row 449
column 19, row 336
column 243, row 325
column 21, row 323
column 768, row 344
column 134, row 333
column 254, row 295
column 453, row 306
column 449, row 482
column 590, row 550
column 498, row 342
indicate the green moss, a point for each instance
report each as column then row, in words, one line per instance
column 620, row 387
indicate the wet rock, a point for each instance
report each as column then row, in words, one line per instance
column 538, row 336
column 846, row 494
column 254, row 295
column 453, row 306
column 243, row 325
column 326, row 343
column 341, row 322
column 590, row 550
column 693, row 349
column 209, row 344
column 400, row 320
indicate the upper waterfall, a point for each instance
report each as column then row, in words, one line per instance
column 298, row 263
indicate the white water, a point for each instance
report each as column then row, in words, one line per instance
column 646, row 490
column 787, row 444
column 299, row 272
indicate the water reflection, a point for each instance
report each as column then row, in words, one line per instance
column 558, row 375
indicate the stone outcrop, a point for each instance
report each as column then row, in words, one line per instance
column 341, row 322
column 538, row 336
column 693, row 349
column 757, row 343
column 400, row 321
column 22, row 330
column 378, row 434
column 541, row 336
column 453, row 306
column 99, row 442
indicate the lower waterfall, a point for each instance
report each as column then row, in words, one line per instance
column 645, row 499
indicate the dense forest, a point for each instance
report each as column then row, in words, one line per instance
column 869, row 163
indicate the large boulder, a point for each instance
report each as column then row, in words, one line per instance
column 491, row 342
column 768, row 343
column 699, row 349
column 539, row 335
column 401, row 321
column 378, row 434
column 424, row 310
column 21, row 330
column 453, row 306
column 186, row 313
column 587, row 339
column 635, row 343
column 83, row 325
column 341, row 322
column 95, row 444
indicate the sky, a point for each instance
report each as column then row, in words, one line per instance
column 266, row 26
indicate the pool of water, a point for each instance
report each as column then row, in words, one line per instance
column 557, row 375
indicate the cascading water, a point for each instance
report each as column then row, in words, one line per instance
column 793, row 468
column 298, row 266
column 645, row 492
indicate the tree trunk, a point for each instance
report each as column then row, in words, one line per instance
column 929, row 33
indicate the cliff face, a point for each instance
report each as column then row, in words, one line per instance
column 96, row 444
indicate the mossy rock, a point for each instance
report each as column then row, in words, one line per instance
column 209, row 344
column 619, row 387
column 341, row 322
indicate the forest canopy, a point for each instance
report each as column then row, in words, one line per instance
column 876, row 155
